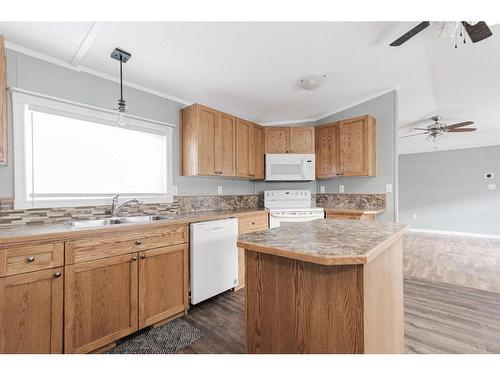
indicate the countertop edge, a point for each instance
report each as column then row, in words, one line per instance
column 71, row 234
column 355, row 211
column 326, row 260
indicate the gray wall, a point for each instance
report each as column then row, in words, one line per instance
column 384, row 110
column 447, row 190
column 32, row 74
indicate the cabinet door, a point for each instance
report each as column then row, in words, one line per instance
column 225, row 145
column 276, row 140
column 161, row 283
column 301, row 140
column 31, row 312
column 100, row 302
column 243, row 130
column 327, row 151
column 256, row 150
column 207, row 124
column 354, row 147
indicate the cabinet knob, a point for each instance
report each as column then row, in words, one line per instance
column 30, row 259
column 134, row 258
column 57, row 274
column 138, row 242
column 143, row 256
column 221, row 172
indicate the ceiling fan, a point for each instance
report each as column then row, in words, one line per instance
column 477, row 31
column 439, row 128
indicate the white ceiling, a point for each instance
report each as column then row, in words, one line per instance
column 251, row 69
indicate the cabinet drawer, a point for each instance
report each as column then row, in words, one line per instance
column 22, row 259
column 100, row 247
column 252, row 223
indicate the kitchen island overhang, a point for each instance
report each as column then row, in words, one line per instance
column 325, row 286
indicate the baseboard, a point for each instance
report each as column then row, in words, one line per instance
column 451, row 233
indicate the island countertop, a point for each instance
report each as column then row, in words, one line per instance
column 327, row 242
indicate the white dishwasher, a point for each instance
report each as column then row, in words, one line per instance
column 213, row 258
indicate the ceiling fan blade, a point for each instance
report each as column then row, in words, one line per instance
column 421, row 129
column 412, row 135
column 477, row 32
column 461, row 130
column 410, row 34
column 459, row 125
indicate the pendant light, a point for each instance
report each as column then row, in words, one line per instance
column 121, row 107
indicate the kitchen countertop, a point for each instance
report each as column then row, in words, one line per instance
column 63, row 231
column 354, row 211
column 327, row 242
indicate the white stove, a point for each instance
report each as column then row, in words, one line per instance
column 287, row 206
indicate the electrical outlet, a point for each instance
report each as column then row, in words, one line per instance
column 219, row 190
column 174, row 190
column 415, row 216
column 321, row 189
column 341, row 188
column 492, row 186
column 388, row 188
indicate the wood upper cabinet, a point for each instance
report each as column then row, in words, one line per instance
column 289, row 140
column 276, row 140
column 249, row 150
column 301, row 140
column 243, row 130
column 346, row 148
column 162, row 283
column 31, row 312
column 358, row 145
column 225, row 145
column 327, row 150
column 256, row 152
column 208, row 142
column 100, row 302
column 3, row 104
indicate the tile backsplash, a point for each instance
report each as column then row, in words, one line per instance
column 181, row 204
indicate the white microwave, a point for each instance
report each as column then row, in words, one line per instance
column 290, row 167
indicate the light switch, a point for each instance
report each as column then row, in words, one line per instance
column 415, row 216
column 321, row 189
column 492, row 186
column 341, row 188
column 388, row 188
column 219, row 190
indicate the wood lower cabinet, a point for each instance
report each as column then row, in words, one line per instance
column 346, row 148
column 289, row 140
column 162, row 283
column 31, row 312
column 247, row 224
column 100, row 302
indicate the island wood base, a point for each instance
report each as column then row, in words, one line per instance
column 294, row 306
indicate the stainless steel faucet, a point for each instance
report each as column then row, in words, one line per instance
column 115, row 208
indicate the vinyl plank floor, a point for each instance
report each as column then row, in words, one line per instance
column 439, row 318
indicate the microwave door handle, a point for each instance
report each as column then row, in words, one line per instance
column 303, row 169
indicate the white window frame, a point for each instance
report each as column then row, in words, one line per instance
column 23, row 100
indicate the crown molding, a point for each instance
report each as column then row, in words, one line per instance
column 83, row 69
column 290, row 122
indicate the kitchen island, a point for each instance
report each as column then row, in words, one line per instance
column 325, row 286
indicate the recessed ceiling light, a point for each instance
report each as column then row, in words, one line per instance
column 312, row 81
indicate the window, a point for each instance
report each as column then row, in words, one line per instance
column 68, row 154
